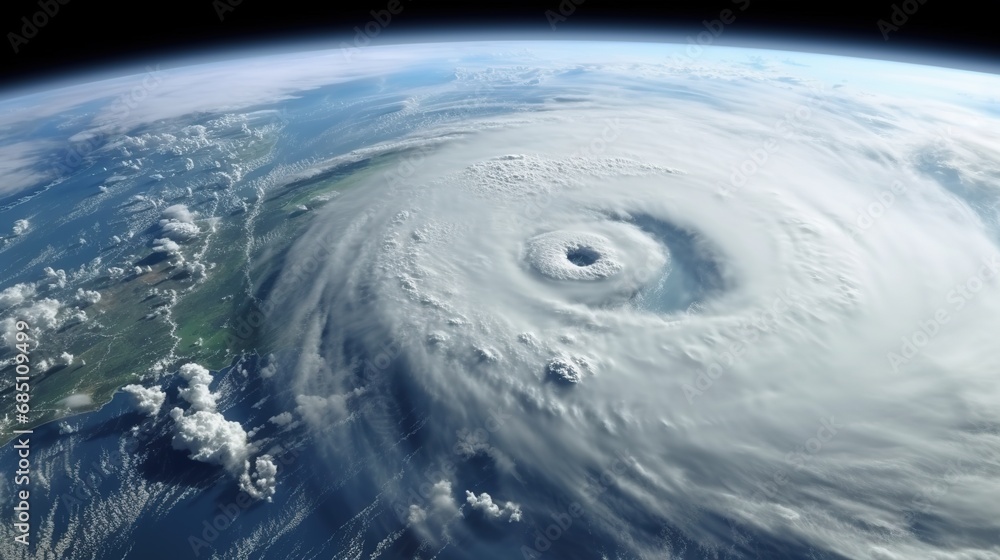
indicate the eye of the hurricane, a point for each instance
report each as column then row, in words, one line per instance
column 582, row 256
column 573, row 255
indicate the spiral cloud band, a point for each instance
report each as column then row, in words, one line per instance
column 758, row 316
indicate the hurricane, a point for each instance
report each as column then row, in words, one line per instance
column 691, row 334
column 521, row 300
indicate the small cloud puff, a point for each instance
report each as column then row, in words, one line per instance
column 88, row 297
column 440, row 505
column 322, row 411
column 178, row 231
column 42, row 315
column 57, row 276
column 484, row 503
column 16, row 295
column 262, row 482
column 146, row 400
column 269, row 370
column 77, row 400
column 283, row 419
column 165, row 245
column 197, row 393
column 178, row 212
column 209, row 437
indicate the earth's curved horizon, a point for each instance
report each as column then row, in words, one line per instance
column 505, row 299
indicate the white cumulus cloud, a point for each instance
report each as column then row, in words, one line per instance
column 147, row 400
column 207, row 436
column 484, row 503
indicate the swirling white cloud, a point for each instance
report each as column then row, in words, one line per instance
column 811, row 225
